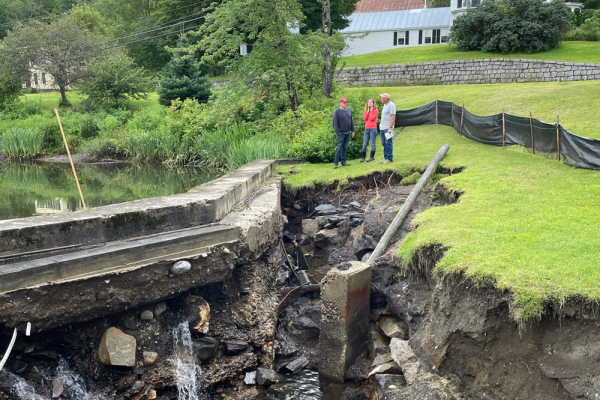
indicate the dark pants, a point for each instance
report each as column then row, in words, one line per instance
column 388, row 146
column 370, row 135
column 341, row 144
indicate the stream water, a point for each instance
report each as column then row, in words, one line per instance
column 41, row 189
column 187, row 374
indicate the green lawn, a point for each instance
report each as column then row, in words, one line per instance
column 577, row 103
column 50, row 100
column 567, row 51
column 527, row 223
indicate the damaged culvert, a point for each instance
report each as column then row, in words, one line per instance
column 256, row 334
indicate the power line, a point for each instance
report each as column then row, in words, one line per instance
column 154, row 37
column 155, row 29
column 152, row 15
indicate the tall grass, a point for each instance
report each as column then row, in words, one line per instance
column 142, row 145
column 22, row 142
column 256, row 148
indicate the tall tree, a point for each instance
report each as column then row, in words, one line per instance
column 340, row 11
column 326, row 76
column 183, row 79
column 59, row 48
column 281, row 60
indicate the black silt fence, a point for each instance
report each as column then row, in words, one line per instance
column 507, row 130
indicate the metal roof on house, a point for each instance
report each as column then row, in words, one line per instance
column 401, row 19
column 364, row 6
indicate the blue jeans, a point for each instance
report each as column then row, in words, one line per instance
column 370, row 134
column 388, row 146
column 341, row 144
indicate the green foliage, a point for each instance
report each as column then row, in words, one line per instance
column 112, row 81
column 186, row 117
column 21, row 143
column 588, row 31
column 183, row 79
column 340, row 13
column 411, row 179
column 155, row 146
column 507, row 26
column 440, row 3
column 314, row 145
column 9, row 90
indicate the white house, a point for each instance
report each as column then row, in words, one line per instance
column 387, row 24
column 40, row 81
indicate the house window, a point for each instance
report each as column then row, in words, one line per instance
column 427, row 40
column 43, row 78
column 436, row 36
column 420, row 37
column 402, row 37
column 35, row 79
column 459, row 5
column 444, row 39
column 395, row 38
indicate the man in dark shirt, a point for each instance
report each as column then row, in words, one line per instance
column 343, row 126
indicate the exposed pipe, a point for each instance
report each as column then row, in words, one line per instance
column 399, row 218
column 10, row 346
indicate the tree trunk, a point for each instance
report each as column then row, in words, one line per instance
column 63, row 94
column 292, row 94
column 326, row 74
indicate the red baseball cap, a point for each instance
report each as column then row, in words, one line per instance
column 343, row 100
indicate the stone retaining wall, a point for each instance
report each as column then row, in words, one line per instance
column 498, row 70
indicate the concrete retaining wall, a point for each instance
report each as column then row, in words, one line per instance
column 498, row 70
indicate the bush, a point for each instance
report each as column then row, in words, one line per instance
column 588, row 31
column 22, row 143
column 154, row 146
column 507, row 26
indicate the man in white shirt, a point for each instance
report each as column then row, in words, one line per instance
column 386, row 126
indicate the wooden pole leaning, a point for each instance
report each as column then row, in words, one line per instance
column 406, row 207
column 558, row 136
column 503, row 128
column 531, row 126
column 462, row 116
column 70, row 158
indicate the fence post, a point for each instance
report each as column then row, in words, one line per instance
column 452, row 122
column 503, row 129
column 558, row 135
column 462, row 115
column 436, row 110
column 531, row 125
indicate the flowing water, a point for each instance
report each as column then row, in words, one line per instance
column 41, row 189
column 190, row 382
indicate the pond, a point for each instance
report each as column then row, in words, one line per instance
column 40, row 189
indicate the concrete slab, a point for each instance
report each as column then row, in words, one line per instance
column 204, row 204
column 345, row 291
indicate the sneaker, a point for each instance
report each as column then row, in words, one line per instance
column 382, row 161
column 345, row 164
column 386, row 161
column 334, row 166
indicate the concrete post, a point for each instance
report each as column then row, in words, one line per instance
column 346, row 291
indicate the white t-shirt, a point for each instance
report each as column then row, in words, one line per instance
column 389, row 109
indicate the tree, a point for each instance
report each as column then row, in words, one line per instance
column 440, row 3
column 60, row 48
column 113, row 80
column 12, row 74
column 183, row 79
column 340, row 11
column 506, row 26
column 281, row 61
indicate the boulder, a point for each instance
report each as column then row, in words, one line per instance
column 160, row 308
column 387, row 368
column 326, row 237
column 390, row 326
column 199, row 311
column 378, row 344
column 266, row 377
column 382, row 359
column 58, row 387
column 404, row 356
column 117, row 348
column 235, row 346
column 181, row 267
column 310, row 227
column 296, row 365
column 205, row 348
column 150, row 358
column 325, row 207
column 147, row 315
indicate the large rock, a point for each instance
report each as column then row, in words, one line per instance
column 266, row 377
column 326, row 237
column 387, row 368
column 150, row 358
column 117, row 348
column 310, row 227
column 233, row 347
column 205, row 348
column 378, row 344
column 199, row 314
column 405, row 357
column 390, row 326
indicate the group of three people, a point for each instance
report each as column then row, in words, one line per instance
column 343, row 125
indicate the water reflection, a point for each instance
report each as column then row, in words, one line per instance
column 39, row 189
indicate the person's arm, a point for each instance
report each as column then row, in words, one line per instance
column 352, row 123
column 336, row 125
column 366, row 116
column 373, row 117
column 392, row 118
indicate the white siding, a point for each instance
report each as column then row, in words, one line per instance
column 384, row 40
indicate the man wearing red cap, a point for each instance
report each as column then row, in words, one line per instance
column 343, row 126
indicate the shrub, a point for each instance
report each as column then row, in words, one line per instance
column 146, row 120
column 506, row 26
column 588, row 31
column 22, row 143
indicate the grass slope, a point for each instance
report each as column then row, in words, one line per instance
column 524, row 222
column 576, row 102
column 588, row 52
